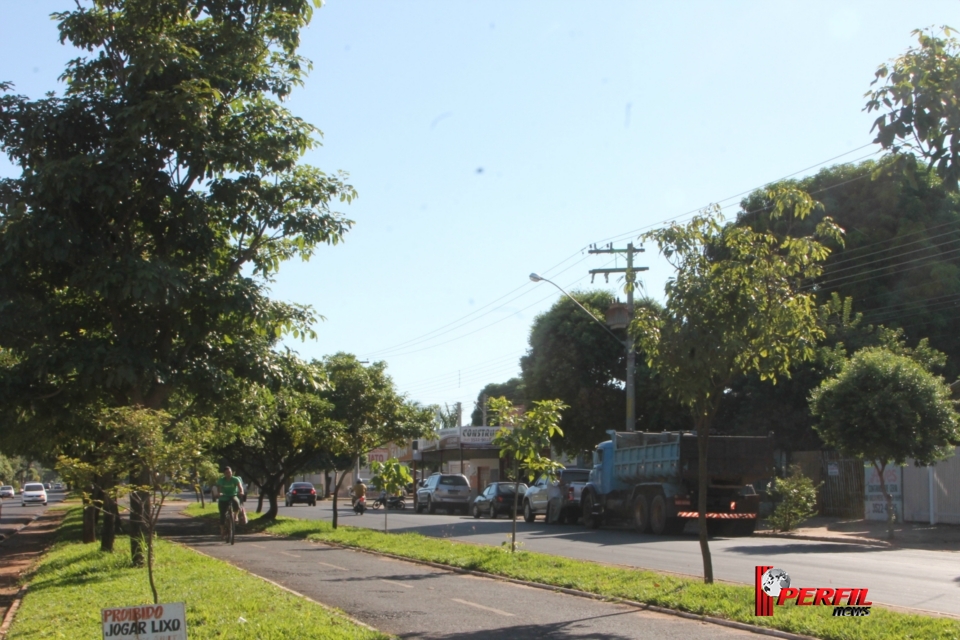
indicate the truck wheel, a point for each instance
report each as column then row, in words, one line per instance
column 658, row 515
column 590, row 519
column 641, row 514
column 528, row 514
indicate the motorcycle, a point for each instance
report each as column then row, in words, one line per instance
column 360, row 505
column 392, row 502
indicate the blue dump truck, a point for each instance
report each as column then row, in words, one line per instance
column 651, row 481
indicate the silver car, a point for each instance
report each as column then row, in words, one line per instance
column 6, row 491
column 447, row 491
column 33, row 493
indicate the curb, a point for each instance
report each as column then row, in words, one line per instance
column 837, row 540
column 335, row 612
column 740, row 626
column 11, row 612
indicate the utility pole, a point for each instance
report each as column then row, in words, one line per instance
column 460, row 432
column 630, row 277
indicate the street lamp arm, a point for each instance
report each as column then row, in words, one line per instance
column 534, row 277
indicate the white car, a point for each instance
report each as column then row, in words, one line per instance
column 6, row 491
column 33, row 493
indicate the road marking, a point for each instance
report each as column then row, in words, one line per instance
column 256, row 545
column 397, row 584
column 289, row 554
column 332, row 566
column 480, row 606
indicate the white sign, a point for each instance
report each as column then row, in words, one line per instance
column 146, row 622
column 833, row 469
column 876, row 505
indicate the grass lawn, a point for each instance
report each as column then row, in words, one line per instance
column 721, row 600
column 74, row 581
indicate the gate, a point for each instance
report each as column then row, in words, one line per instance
column 842, row 493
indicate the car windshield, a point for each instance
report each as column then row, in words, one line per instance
column 454, row 481
column 33, row 487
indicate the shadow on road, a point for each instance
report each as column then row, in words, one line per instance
column 801, row 547
column 569, row 629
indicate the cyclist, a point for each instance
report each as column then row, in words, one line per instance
column 230, row 488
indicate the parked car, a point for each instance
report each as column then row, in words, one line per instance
column 498, row 498
column 6, row 491
column 445, row 491
column 301, row 492
column 559, row 500
column 58, row 486
column 33, row 493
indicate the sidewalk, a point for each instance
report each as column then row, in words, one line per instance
column 908, row 535
column 415, row 601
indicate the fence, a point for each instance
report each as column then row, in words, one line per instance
column 842, row 493
column 945, row 498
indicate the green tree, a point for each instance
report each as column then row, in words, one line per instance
column 919, row 104
column 392, row 477
column 885, row 407
column 512, row 390
column 572, row 358
column 524, row 436
column 281, row 429
column 147, row 444
column 794, row 498
column 370, row 412
column 733, row 307
column 157, row 197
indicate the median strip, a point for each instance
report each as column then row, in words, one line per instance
column 689, row 597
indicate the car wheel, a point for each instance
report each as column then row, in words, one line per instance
column 528, row 514
column 476, row 511
column 493, row 513
column 431, row 508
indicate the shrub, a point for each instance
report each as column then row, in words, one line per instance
column 795, row 499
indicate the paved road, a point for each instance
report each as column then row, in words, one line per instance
column 911, row 578
column 13, row 516
column 414, row 601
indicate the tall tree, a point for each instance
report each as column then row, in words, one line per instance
column 512, row 390
column 157, row 197
column 733, row 307
column 885, row 407
column 918, row 102
column 572, row 358
column 370, row 411
column 282, row 428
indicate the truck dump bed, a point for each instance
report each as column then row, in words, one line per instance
column 670, row 456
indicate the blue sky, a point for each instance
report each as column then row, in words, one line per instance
column 488, row 140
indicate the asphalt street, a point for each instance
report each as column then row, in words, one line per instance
column 910, row 578
column 414, row 601
column 13, row 516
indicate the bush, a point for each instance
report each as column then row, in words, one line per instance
column 795, row 499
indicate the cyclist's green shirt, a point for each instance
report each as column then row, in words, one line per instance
column 228, row 488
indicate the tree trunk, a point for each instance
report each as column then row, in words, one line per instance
column 888, row 499
column 89, row 524
column 703, row 438
column 272, row 487
column 139, row 515
column 260, row 500
column 109, row 533
column 336, row 492
column 516, row 497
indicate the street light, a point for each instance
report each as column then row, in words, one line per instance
column 628, row 343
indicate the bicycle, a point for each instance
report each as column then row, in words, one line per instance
column 231, row 530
